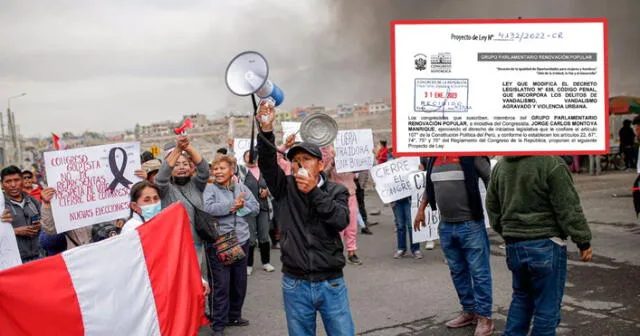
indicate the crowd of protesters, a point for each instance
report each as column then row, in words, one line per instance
column 292, row 198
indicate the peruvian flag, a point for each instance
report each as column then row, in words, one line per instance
column 144, row 282
column 57, row 142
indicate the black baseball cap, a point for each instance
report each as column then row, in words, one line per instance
column 309, row 148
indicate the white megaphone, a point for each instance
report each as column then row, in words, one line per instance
column 248, row 73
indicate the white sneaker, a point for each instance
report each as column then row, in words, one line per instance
column 430, row 245
column 249, row 270
column 268, row 268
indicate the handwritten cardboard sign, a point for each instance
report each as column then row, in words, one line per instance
column 354, row 150
column 392, row 178
column 92, row 183
column 429, row 232
column 241, row 145
column 9, row 253
column 291, row 127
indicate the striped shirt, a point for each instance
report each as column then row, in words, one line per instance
column 450, row 190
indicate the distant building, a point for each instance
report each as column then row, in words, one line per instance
column 345, row 110
column 379, row 107
column 361, row 110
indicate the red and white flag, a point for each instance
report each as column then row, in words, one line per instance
column 57, row 142
column 144, row 282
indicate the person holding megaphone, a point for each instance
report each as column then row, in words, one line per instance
column 311, row 213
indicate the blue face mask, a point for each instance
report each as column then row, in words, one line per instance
column 149, row 211
column 243, row 212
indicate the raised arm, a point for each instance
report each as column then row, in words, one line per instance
column 46, row 214
column 202, row 175
column 268, row 164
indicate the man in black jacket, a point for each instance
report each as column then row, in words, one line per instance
column 311, row 212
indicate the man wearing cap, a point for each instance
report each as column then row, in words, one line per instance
column 311, row 213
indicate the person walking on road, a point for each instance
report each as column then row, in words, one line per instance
column 533, row 204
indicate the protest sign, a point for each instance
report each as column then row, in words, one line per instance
column 241, row 145
column 492, row 87
column 392, row 178
column 354, row 150
column 9, row 253
column 92, row 183
column 432, row 218
column 291, row 127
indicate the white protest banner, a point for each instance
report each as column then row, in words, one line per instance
column 486, row 87
column 392, row 178
column 432, row 218
column 291, row 127
column 9, row 253
column 354, row 150
column 241, row 145
column 92, row 183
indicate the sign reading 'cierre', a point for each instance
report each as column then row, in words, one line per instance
column 392, row 178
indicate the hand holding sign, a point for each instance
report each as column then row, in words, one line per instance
column 47, row 195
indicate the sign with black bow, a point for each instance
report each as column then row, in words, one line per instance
column 92, row 183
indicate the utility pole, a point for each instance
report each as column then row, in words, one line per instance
column 4, row 141
column 12, row 130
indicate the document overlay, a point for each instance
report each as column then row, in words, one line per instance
column 500, row 87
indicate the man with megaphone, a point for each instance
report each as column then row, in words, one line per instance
column 311, row 213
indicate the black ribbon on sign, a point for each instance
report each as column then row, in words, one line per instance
column 118, row 173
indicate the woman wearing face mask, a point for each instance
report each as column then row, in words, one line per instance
column 183, row 177
column 230, row 203
column 145, row 203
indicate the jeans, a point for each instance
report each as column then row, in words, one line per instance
column 539, row 271
column 402, row 213
column 303, row 299
column 228, row 288
column 466, row 247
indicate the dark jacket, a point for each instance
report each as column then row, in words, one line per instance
column 250, row 181
column 25, row 216
column 627, row 136
column 310, row 225
column 470, row 181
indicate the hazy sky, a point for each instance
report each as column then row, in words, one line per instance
column 104, row 65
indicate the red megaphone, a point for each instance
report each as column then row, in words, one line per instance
column 180, row 130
